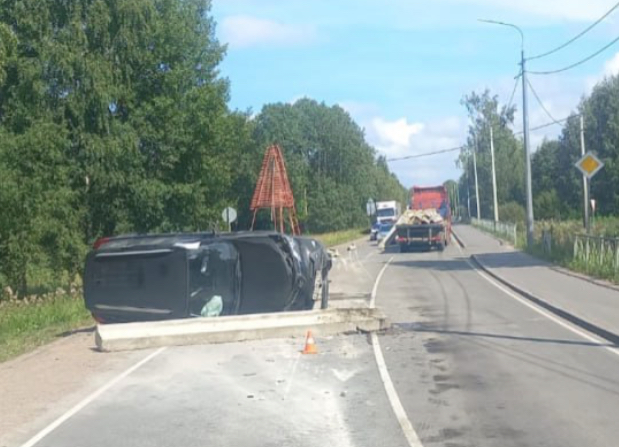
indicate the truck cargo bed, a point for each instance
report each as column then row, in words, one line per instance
column 420, row 236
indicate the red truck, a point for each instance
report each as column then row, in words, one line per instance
column 427, row 224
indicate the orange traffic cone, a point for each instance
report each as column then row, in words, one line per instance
column 310, row 344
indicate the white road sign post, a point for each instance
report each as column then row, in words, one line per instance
column 370, row 207
column 229, row 216
column 589, row 165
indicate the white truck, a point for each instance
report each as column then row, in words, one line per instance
column 388, row 212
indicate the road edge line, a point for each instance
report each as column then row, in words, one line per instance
column 87, row 400
column 377, row 281
column 392, row 395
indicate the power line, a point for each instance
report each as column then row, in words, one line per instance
column 569, row 67
column 453, row 149
column 541, row 104
column 427, row 154
column 543, row 126
column 578, row 36
column 511, row 98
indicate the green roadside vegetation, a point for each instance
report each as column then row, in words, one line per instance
column 26, row 324
column 557, row 185
column 340, row 237
column 115, row 119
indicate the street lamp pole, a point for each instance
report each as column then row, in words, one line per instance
column 525, row 125
column 476, row 182
column 494, row 191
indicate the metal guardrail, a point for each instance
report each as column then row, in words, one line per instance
column 505, row 229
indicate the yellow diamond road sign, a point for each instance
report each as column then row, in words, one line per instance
column 589, row 165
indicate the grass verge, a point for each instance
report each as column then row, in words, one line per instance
column 339, row 237
column 25, row 326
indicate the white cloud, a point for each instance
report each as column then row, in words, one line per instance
column 241, row 31
column 393, row 137
column 401, row 138
column 611, row 66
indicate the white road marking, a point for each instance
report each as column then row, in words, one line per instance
column 540, row 310
column 343, row 376
column 51, row 427
column 392, row 394
column 377, row 281
column 294, row 370
column 372, row 253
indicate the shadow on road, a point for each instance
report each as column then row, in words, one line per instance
column 84, row 330
column 511, row 259
column 441, row 265
column 524, row 354
column 490, row 260
column 421, row 327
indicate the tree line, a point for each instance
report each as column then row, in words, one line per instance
column 557, row 184
column 114, row 118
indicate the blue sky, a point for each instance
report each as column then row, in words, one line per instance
column 400, row 67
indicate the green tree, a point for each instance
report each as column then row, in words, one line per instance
column 113, row 118
column 484, row 112
column 333, row 170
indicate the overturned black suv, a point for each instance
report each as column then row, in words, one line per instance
column 168, row 276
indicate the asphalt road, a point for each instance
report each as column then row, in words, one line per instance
column 474, row 366
column 470, row 365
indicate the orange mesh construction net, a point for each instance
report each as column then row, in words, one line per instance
column 273, row 191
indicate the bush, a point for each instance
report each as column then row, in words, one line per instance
column 547, row 205
column 512, row 212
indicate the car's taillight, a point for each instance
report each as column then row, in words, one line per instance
column 101, row 241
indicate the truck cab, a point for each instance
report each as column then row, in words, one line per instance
column 387, row 212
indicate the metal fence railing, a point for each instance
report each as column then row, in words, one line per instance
column 597, row 253
column 594, row 255
column 507, row 230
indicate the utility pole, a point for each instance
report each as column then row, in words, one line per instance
column 468, row 188
column 527, row 151
column 494, row 192
column 585, row 180
column 458, row 200
column 525, row 125
column 476, row 183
